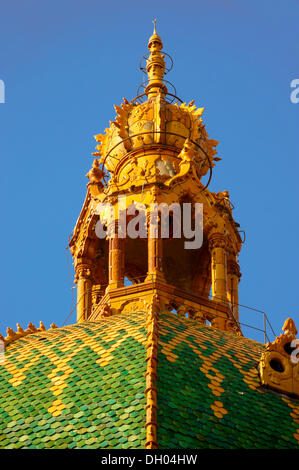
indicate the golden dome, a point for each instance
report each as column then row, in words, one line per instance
column 162, row 123
column 154, row 122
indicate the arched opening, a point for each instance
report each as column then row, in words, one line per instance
column 135, row 262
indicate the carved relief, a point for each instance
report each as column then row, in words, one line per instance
column 281, row 343
column 217, row 241
column 83, row 271
column 105, row 311
column 95, row 175
column 231, row 325
column 278, row 368
column 96, row 295
column 233, row 268
column 199, row 316
column 133, row 306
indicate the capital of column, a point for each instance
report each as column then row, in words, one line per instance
column 84, row 270
column 217, row 240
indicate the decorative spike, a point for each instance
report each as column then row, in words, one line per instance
column 199, row 111
column 118, row 109
column 99, row 137
column 289, row 326
column 10, row 334
column 31, row 327
column 53, row 326
column 125, row 101
column 20, row 329
column 191, row 103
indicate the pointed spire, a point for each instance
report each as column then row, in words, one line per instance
column 155, row 37
column 155, row 65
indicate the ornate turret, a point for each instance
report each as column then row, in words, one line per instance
column 158, row 360
column 156, row 152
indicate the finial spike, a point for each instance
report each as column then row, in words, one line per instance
column 155, row 22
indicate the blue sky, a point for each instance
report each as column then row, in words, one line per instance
column 65, row 63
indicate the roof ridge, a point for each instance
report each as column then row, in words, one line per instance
column 20, row 333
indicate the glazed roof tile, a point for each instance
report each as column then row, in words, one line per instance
column 77, row 388
column 83, row 386
column 216, row 400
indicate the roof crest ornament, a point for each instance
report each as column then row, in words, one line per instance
column 20, row 333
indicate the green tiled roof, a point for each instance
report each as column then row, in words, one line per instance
column 209, row 393
column 81, row 386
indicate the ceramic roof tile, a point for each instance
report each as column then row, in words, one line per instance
column 82, row 386
column 216, row 399
column 69, row 392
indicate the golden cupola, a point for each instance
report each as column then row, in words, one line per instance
column 156, row 151
column 161, row 123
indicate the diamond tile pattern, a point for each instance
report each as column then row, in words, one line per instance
column 81, row 386
column 209, row 393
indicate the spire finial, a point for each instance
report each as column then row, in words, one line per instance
column 155, row 23
column 155, row 65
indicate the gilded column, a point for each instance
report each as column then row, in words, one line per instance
column 233, row 278
column 217, row 246
column 83, row 279
column 116, row 260
column 155, row 251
